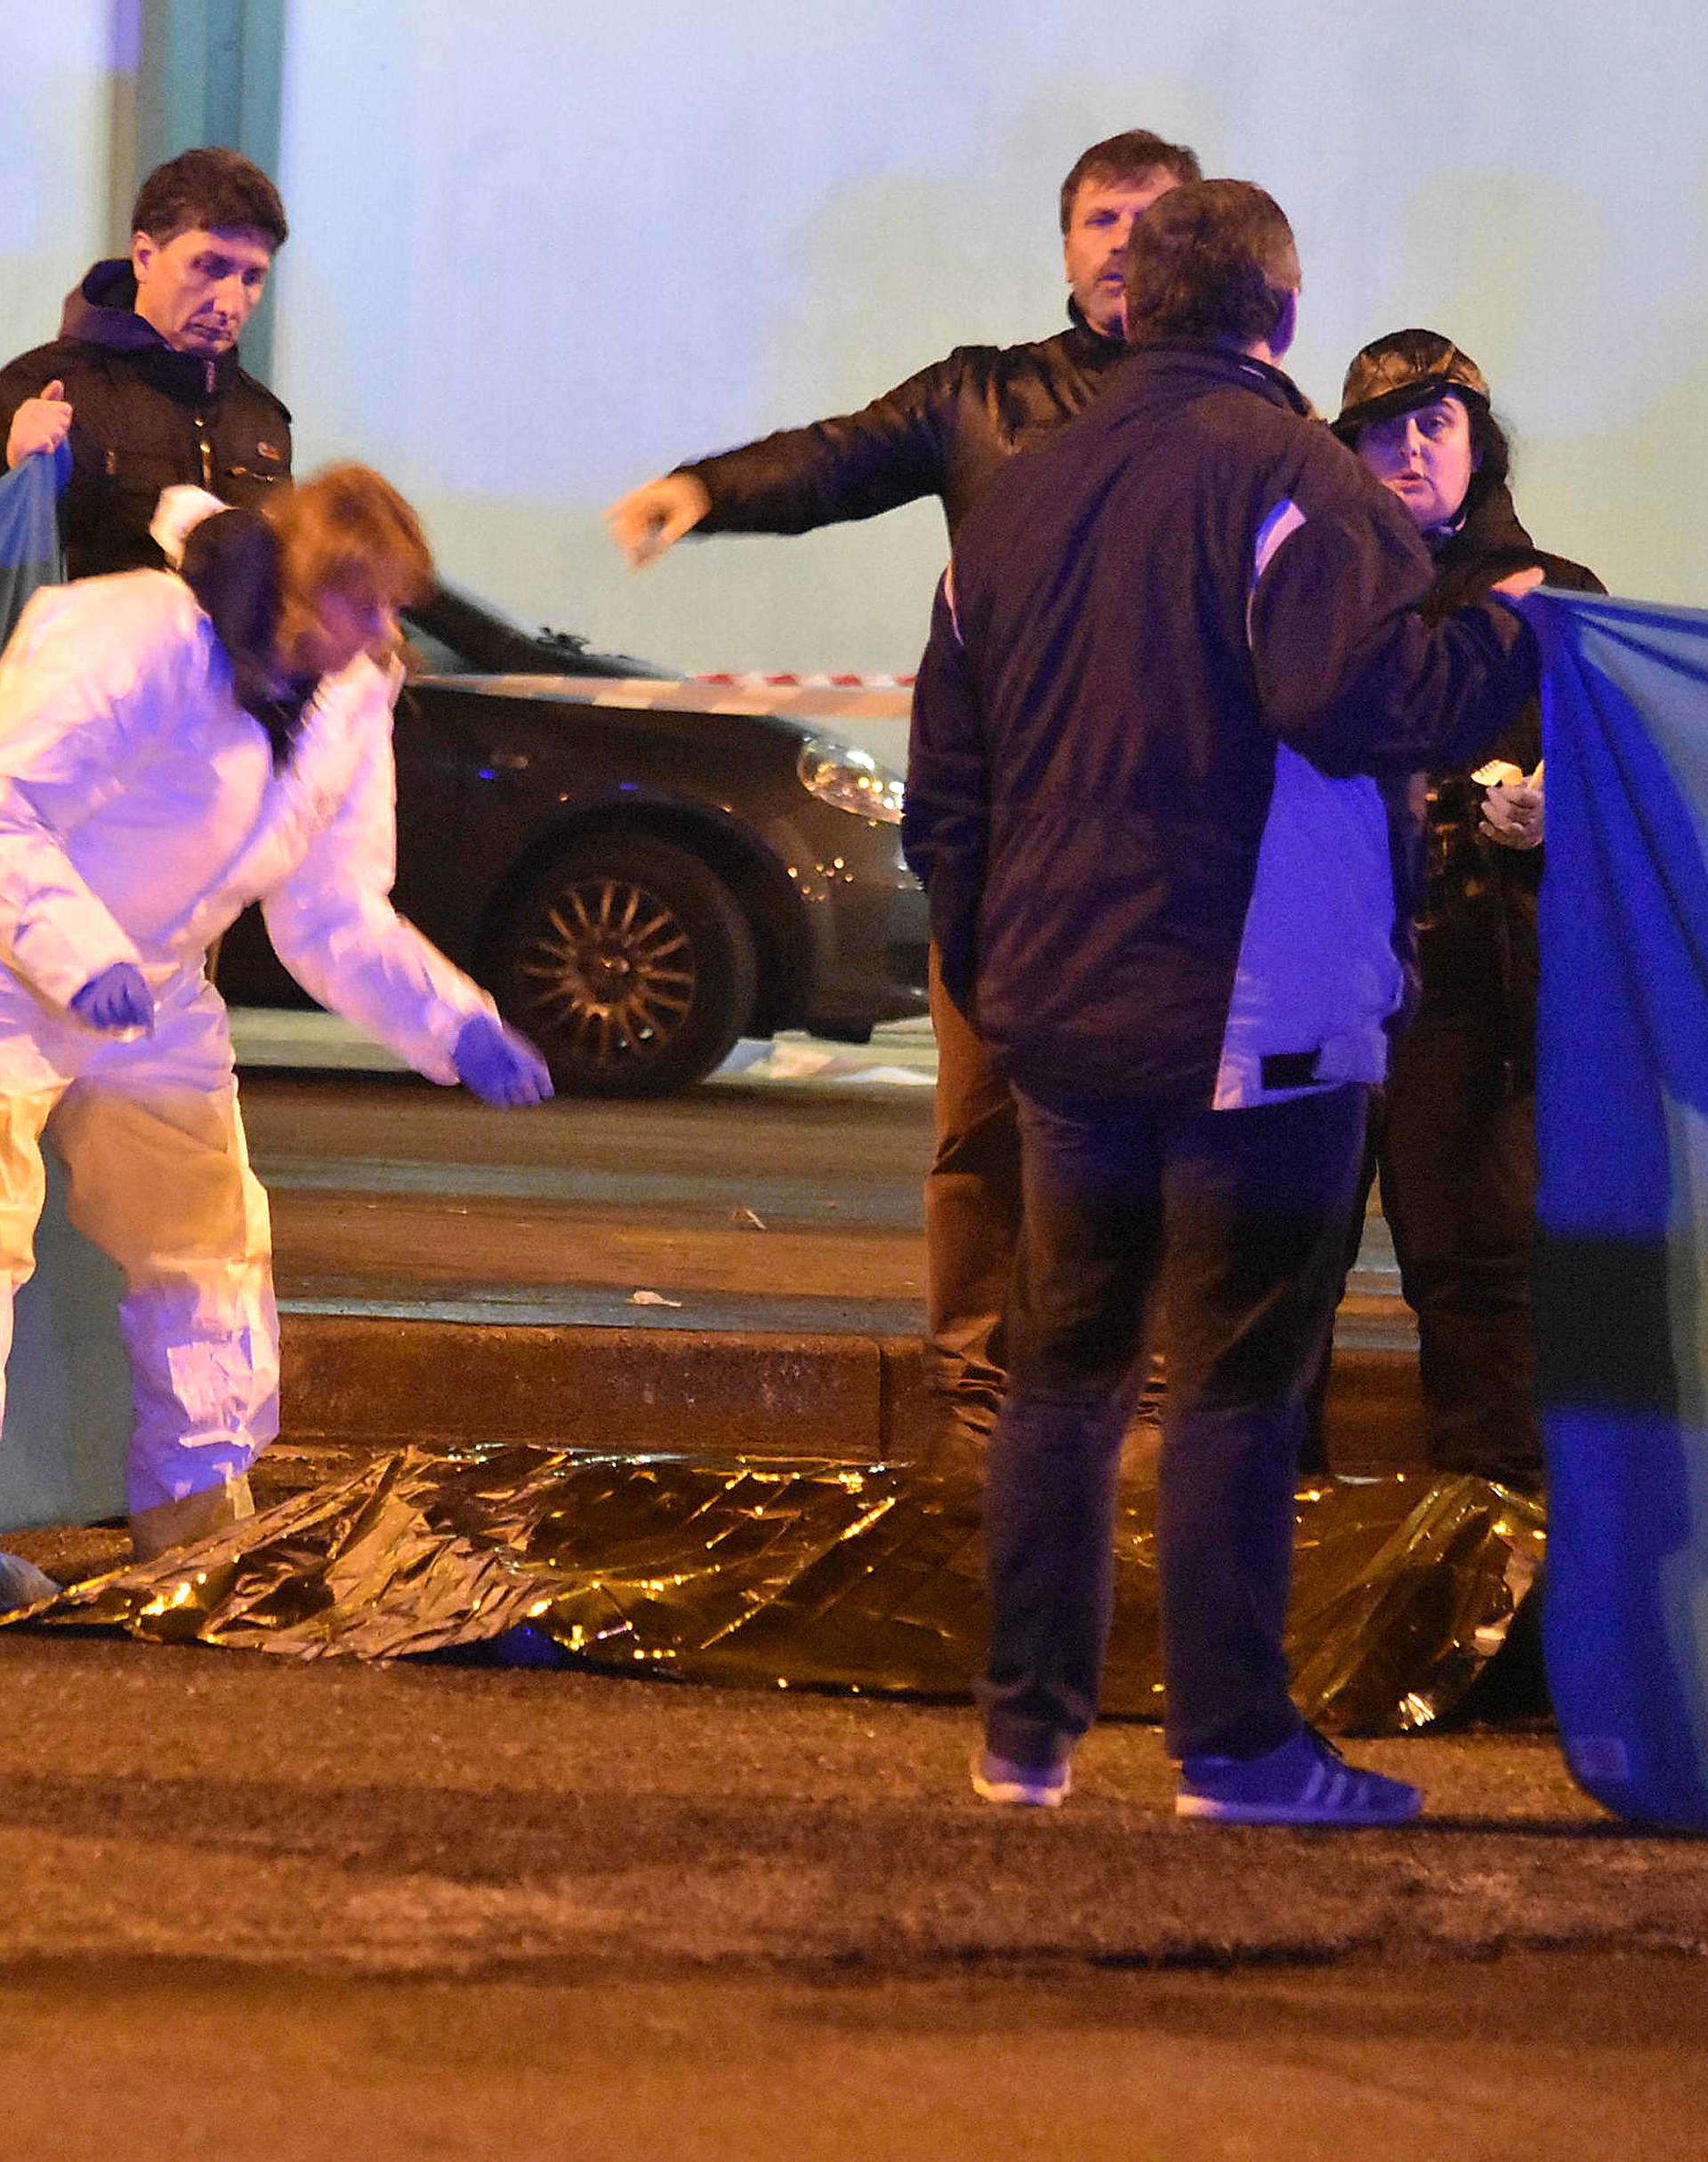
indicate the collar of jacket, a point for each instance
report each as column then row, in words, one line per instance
column 1491, row 527
column 1089, row 347
column 1488, row 545
column 102, row 310
column 1211, row 366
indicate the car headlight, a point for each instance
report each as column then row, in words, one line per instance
column 852, row 779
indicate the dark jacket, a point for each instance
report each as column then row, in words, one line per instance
column 1479, row 954
column 144, row 417
column 1171, row 642
column 945, row 431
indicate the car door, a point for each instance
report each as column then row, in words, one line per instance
column 434, row 763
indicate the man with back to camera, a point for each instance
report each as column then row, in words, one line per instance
column 945, row 431
column 1177, row 649
column 144, row 378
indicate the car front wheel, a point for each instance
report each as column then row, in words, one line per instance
column 630, row 965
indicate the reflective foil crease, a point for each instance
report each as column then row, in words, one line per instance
column 803, row 1574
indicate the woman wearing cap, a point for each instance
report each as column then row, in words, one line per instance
column 1454, row 1136
column 173, row 746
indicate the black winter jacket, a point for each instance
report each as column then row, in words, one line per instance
column 1171, row 642
column 945, row 431
column 1478, row 953
column 144, row 417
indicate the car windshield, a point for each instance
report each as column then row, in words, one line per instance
column 452, row 633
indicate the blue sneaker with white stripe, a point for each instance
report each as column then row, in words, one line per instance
column 1305, row 1781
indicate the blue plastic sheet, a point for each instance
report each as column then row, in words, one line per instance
column 29, row 532
column 1623, row 1136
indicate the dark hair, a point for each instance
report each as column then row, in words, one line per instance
column 230, row 563
column 1128, row 157
column 1214, row 260
column 1405, row 370
column 1492, row 447
column 217, row 190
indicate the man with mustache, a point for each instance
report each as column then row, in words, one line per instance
column 945, row 431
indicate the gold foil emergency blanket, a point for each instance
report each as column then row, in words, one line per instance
column 801, row 1574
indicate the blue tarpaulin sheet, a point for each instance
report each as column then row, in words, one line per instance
column 29, row 532
column 1622, row 1258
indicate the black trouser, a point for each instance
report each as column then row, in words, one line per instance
column 1453, row 1139
column 1456, row 1151
column 1241, row 1215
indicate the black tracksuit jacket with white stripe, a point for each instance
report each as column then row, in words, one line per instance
column 1176, row 678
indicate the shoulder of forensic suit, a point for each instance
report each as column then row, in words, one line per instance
column 143, row 616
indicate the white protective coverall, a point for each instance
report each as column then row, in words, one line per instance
column 139, row 813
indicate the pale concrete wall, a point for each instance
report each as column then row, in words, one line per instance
column 56, row 92
column 544, row 248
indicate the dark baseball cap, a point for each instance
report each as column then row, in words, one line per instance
column 1398, row 374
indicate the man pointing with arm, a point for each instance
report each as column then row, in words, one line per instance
column 945, row 431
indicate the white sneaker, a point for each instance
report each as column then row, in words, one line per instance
column 23, row 1585
column 1000, row 1779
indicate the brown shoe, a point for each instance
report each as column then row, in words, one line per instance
column 195, row 1516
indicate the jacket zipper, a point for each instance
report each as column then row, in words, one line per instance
column 202, row 443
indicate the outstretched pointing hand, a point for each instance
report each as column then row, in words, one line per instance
column 653, row 519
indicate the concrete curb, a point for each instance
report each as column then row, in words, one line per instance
column 374, row 1381
column 381, row 1383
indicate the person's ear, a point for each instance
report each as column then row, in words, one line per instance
column 142, row 254
column 1286, row 325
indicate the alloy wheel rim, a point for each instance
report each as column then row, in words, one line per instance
column 612, row 974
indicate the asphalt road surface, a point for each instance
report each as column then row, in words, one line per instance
column 295, row 1911
column 280, row 1910
column 786, row 1194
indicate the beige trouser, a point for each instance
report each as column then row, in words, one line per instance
column 972, row 1220
column 158, row 1178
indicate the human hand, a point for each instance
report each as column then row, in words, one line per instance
column 1515, row 586
column 653, row 519
column 39, row 424
column 499, row 1065
column 118, row 998
column 1512, row 813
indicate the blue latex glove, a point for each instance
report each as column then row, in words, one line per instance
column 498, row 1065
column 117, row 998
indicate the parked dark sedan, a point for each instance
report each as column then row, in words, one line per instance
column 640, row 868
